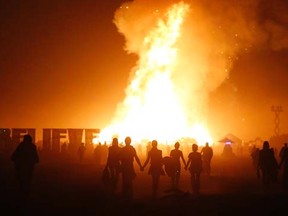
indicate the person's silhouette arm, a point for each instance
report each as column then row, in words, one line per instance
column 15, row 154
column 183, row 160
column 137, row 160
column 146, row 162
column 188, row 163
column 108, row 158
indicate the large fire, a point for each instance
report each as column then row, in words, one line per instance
column 153, row 108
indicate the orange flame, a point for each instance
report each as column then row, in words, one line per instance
column 152, row 109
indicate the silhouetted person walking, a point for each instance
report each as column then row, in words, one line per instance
column 81, row 151
column 255, row 158
column 282, row 151
column 268, row 165
column 98, row 154
column 25, row 157
column 284, row 162
column 195, row 168
column 113, row 164
column 207, row 154
column 156, row 169
column 104, row 153
column 176, row 155
column 127, row 156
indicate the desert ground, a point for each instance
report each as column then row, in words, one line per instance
column 71, row 187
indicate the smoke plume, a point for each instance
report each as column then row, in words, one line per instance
column 212, row 35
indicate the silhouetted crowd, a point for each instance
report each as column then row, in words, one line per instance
column 267, row 166
column 119, row 164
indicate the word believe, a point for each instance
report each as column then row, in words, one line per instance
column 51, row 137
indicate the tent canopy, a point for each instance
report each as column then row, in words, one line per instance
column 226, row 141
column 230, row 138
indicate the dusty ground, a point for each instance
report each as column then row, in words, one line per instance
column 74, row 188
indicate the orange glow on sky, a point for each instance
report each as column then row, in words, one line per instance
column 63, row 64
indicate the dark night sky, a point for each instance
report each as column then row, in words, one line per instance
column 60, row 60
column 62, row 64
